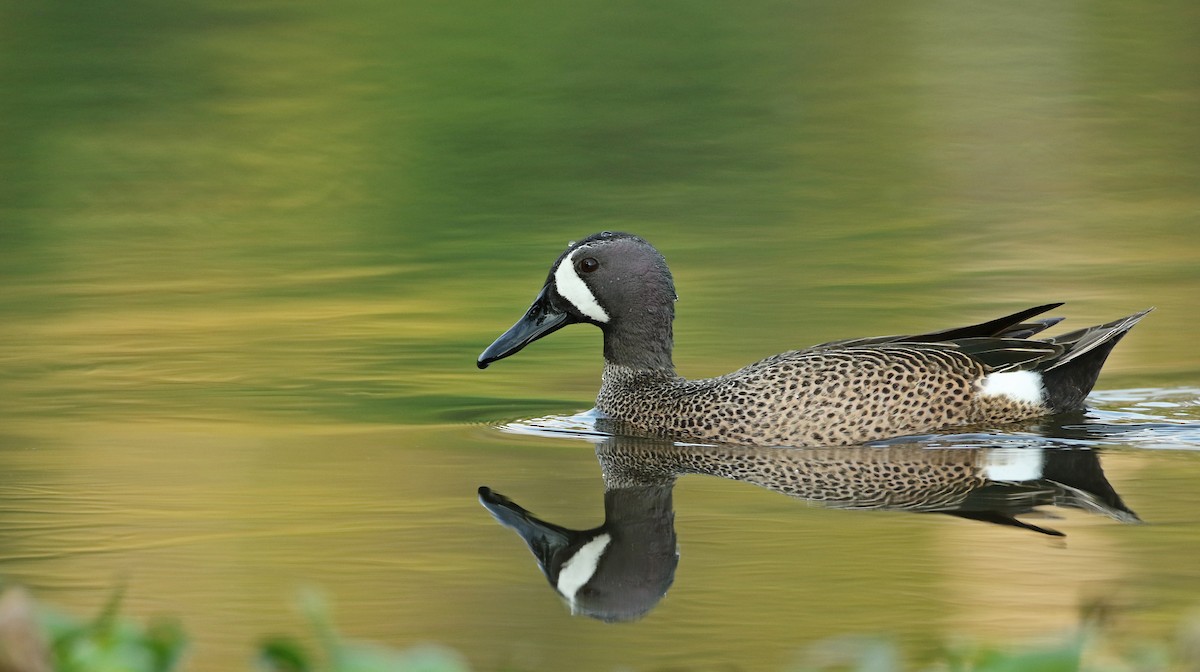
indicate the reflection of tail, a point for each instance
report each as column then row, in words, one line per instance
column 1069, row 377
column 1070, row 479
column 1083, row 485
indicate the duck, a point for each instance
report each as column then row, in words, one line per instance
column 844, row 392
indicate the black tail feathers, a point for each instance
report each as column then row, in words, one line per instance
column 1069, row 378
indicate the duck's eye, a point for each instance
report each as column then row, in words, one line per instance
column 587, row 265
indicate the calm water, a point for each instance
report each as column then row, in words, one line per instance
column 250, row 251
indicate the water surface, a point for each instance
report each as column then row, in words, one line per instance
column 250, row 251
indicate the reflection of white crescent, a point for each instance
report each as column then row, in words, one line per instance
column 579, row 568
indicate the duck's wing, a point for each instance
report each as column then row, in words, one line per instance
column 1068, row 365
column 1004, row 354
column 1071, row 359
column 1009, row 327
column 1004, row 344
column 1083, row 341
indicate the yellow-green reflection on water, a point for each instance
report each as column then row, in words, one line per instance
column 249, row 252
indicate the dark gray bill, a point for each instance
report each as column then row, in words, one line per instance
column 541, row 319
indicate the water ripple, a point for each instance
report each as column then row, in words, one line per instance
column 1149, row 418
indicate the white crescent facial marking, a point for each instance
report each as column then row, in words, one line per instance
column 572, row 288
column 1023, row 386
column 1014, row 464
column 579, row 568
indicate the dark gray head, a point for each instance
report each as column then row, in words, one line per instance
column 616, row 281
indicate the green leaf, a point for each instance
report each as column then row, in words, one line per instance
column 283, row 655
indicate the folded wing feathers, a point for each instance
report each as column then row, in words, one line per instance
column 1030, row 328
column 1082, row 341
column 1004, row 354
column 1001, row 326
column 1009, row 326
column 1002, row 344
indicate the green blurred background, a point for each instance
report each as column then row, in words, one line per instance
column 250, row 250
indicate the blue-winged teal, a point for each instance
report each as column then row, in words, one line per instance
column 838, row 393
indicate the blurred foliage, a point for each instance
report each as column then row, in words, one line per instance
column 110, row 643
column 340, row 655
column 1094, row 648
column 35, row 639
column 873, row 655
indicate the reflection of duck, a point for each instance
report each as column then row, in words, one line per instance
column 839, row 393
column 621, row 569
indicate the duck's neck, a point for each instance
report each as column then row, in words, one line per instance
column 642, row 342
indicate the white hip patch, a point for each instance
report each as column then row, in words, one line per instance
column 1023, row 386
column 572, row 288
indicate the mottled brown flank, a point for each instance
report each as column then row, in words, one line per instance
column 825, row 397
column 892, row 477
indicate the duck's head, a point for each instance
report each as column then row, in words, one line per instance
column 616, row 281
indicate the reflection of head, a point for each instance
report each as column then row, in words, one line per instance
column 616, row 572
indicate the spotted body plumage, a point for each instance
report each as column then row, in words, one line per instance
column 828, row 397
column 895, row 477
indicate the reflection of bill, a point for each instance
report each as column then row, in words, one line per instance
column 620, row 570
